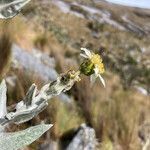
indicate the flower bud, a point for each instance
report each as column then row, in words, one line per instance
column 87, row 68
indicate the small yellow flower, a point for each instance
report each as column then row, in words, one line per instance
column 97, row 61
column 93, row 65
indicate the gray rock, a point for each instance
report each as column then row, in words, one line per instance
column 35, row 62
column 84, row 140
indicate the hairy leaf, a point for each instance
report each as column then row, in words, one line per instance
column 10, row 8
column 18, row 140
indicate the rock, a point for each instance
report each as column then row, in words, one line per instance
column 34, row 62
column 49, row 146
column 144, row 135
column 84, row 139
column 142, row 90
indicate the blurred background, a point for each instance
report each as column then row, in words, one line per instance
column 44, row 40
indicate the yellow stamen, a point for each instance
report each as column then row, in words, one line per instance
column 97, row 61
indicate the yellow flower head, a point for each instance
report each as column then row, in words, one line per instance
column 97, row 61
column 92, row 65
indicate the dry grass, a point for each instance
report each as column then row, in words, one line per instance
column 118, row 113
column 5, row 49
column 83, row 97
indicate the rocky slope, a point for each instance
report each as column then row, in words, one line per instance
column 121, row 32
column 49, row 35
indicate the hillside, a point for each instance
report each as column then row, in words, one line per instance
column 46, row 38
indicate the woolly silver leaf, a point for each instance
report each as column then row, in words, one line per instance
column 18, row 140
column 10, row 8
